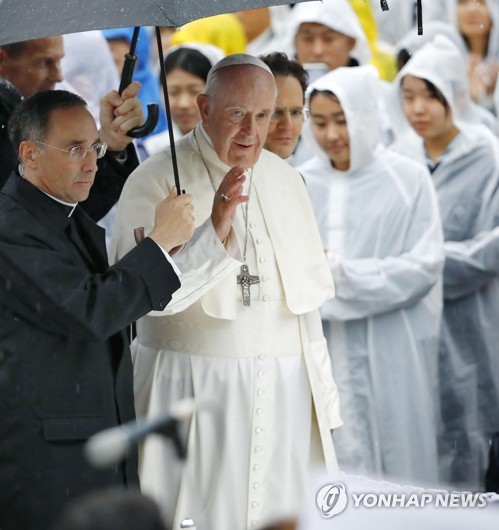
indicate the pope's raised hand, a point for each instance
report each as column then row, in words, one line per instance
column 227, row 198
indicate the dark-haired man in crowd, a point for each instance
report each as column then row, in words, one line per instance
column 65, row 363
column 31, row 66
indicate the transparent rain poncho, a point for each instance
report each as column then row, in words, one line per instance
column 337, row 15
column 448, row 13
column 379, row 221
column 466, row 180
column 88, row 68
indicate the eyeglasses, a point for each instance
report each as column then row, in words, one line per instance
column 78, row 152
column 297, row 114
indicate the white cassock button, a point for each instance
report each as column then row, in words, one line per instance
column 260, row 373
column 256, row 485
column 256, row 467
column 259, row 392
column 259, row 411
column 265, row 278
column 255, row 504
column 265, row 297
column 258, row 241
column 261, row 357
column 262, row 260
column 258, row 449
column 252, row 225
column 258, row 430
column 254, row 523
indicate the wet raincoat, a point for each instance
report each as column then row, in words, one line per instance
column 413, row 42
column 449, row 15
column 488, row 64
column 88, row 68
column 466, row 178
column 379, row 222
column 401, row 18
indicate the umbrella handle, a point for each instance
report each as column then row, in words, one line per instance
column 150, row 123
column 152, row 108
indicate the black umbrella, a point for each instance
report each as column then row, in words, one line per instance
column 30, row 19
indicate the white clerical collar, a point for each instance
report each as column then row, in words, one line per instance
column 71, row 204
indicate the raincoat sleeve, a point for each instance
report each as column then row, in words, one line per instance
column 473, row 262
column 371, row 286
column 470, row 264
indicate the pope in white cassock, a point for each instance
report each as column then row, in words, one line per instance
column 379, row 221
column 250, row 350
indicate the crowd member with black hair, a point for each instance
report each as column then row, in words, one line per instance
column 186, row 68
column 443, row 131
column 35, row 65
column 290, row 113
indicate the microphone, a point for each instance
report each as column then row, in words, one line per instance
column 109, row 447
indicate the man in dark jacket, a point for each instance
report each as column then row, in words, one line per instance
column 32, row 66
column 65, row 366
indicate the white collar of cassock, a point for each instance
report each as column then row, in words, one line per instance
column 303, row 268
column 210, row 158
column 71, row 204
column 205, row 134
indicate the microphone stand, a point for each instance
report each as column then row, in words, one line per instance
column 169, row 429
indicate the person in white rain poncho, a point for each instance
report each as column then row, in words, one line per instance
column 324, row 36
column 328, row 32
column 401, row 18
column 463, row 158
column 257, row 356
column 378, row 217
column 413, row 42
column 477, row 22
column 186, row 69
column 88, row 68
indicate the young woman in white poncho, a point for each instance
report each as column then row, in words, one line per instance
column 378, row 217
column 443, row 132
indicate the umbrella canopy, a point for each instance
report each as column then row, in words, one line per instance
column 30, row 19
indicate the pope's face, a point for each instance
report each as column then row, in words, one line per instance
column 236, row 115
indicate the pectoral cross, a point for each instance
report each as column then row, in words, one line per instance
column 245, row 279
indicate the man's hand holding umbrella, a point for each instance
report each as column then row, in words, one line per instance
column 119, row 114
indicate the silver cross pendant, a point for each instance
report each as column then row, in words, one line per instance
column 245, row 279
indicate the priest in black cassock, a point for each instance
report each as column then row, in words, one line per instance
column 65, row 368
